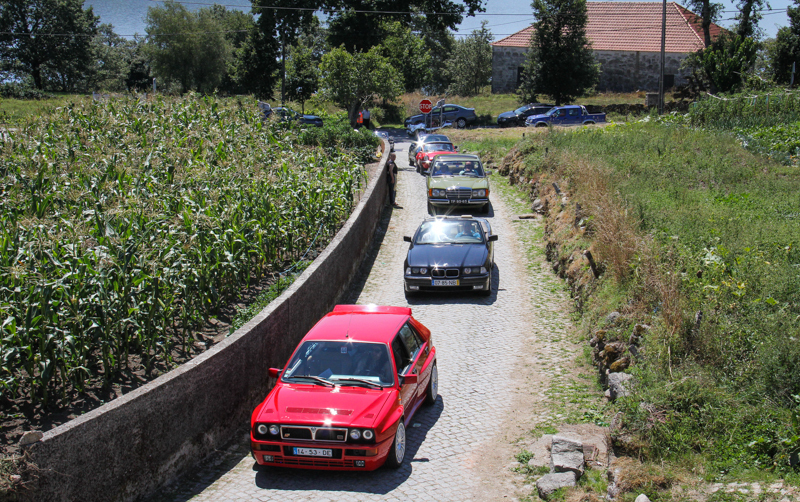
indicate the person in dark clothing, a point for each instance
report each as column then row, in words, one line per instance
column 391, row 177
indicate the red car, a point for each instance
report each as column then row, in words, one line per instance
column 431, row 150
column 348, row 392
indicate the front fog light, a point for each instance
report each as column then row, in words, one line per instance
column 262, row 429
column 368, row 435
column 269, row 458
column 355, row 434
column 274, row 430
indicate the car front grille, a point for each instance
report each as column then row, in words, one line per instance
column 302, row 433
column 459, row 193
column 441, row 273
column 314, row 462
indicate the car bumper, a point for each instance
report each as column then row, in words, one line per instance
column 346, row 457
column 478, row 282
column 459, row 202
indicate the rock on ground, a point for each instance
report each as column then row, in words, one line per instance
column 549, row 483
column 566, row 455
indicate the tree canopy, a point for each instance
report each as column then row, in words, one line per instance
column 470, row 64
column 560, row 61
column 351, row 81
column 786, row 49
column 49, row 41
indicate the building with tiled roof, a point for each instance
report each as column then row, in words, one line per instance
column 626, row 40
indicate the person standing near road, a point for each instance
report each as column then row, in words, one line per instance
column 365, row 115
column 391, row 177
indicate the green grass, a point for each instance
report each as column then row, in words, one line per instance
column 725, row 222
column 15, row 111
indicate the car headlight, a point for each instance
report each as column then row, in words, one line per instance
column 355, row 434
column 438, row 192
column 479, row 193
column 368, row 434
column 467, row 270
column 408, row 271
column 415, row 270
column 274, row 430
column 262, row 429
column 423, row 271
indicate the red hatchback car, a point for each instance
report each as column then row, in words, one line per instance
column 348, row 392
column 431, row 150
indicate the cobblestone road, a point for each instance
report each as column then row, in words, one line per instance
column 460, row 448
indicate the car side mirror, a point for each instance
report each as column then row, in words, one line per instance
column 409, row 379
column 492, row 238
column 274, row 372
column 407, row 238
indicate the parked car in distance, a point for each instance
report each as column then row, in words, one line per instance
column 455, row 114
column 457, row 181
column 287, row 114
column 431, row 150
column 566, row 116
column 348, row 392
column 450, row 253
column 517, row 117
column 416, row 146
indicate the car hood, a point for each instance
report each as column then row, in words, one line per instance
column 536, row 117
column 447, row 255
column 314, row 404
column 310, row 117
column 507, row 116
column 457, row 181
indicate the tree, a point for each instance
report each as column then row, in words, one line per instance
column 408, row 54
column 351, row 81
column 350, row 24
column 748, row 17
column 187, row 47
column 724, row 65
column 302, row 75
column 709, row 12
column 113, row 56
column 470, row 64
column 48, row 40
column 786, row 50
column 560, row 61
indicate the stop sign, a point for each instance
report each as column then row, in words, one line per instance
column 425, row 106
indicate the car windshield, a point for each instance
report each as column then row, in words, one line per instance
column 439, row 147
column 522, row 109
column 552, row 112
column 470, row 168
column 341, row 363
column 449, row 232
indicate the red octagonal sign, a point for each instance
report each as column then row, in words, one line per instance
column 425, row 106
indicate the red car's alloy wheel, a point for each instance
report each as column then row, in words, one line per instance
column 398, row 451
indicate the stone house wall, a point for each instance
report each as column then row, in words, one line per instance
column 620, row 71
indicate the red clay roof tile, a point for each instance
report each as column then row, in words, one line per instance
column 633, row 26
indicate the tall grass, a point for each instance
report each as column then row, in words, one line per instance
column 701, row 239
column 125, row 224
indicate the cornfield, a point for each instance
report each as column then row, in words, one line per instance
column 125, row 224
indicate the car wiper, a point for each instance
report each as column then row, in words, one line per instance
column 321, row 380
column 361, row 380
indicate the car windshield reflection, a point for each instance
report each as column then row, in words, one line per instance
column 449, row 232
column 342, row 363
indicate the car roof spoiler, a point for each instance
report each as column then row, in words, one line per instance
column 372, row 309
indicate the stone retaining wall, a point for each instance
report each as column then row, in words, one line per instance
column 129, row 447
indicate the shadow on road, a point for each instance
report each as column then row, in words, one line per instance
column 380, row 481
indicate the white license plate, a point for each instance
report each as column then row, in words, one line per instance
column 459, row 201
column 313, row 452
column 453, row 282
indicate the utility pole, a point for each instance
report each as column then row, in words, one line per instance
column 663, row 47
column 283, row 67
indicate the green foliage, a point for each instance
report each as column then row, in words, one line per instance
column 125, row 224
column 723, row 66
column 724, row 224
column 243, row 316
column 338, row 134
column 408, row 54
column 302, row 75
column 112, row 56
column 560, row 62
column 187, row 47
column 27, row 48
column 787, row 47
column 354, row 80
column 470, row 64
